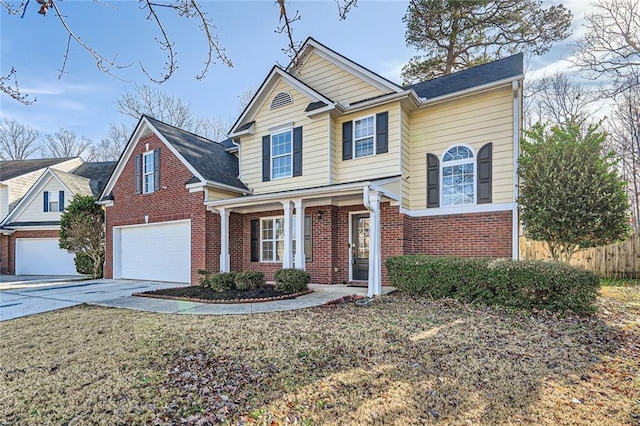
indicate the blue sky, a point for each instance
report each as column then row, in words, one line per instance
column 83, row 99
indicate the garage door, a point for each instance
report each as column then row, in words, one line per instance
column 43, row 256
column 157, row 252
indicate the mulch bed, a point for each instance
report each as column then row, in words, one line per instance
column 208, row 295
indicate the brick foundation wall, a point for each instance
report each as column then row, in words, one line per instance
column 172, row 202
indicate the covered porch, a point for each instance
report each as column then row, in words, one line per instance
column 339, row 227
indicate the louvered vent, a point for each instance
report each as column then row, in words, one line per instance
column 281, row 99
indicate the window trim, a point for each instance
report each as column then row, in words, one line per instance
column 473, row 160
column 51, row 199
column 374, row 136
column 308, row 256
column 145, row 174
column 275, row 132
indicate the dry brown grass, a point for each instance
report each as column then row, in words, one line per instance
column 398, row 361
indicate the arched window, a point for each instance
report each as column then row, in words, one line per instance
column 458, row 176
column 281, row 99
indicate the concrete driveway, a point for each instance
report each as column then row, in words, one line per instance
column 37, row 296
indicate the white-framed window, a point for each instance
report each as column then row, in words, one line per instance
column 364, row 131
column 147, row 172
column 282, row 154
column 458, row 170
column 53, row 201
column 272, row 238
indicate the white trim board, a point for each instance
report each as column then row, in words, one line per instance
column 445, row 211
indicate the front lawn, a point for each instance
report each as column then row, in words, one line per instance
column 397, row 361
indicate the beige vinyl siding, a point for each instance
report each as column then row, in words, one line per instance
column 375, row 166
column 215, row 194
column 473, row 120
column 4, row 201
column 19, row 185
column 334, row 82
column 34, row 212
column 315, row 140
column 405, row 158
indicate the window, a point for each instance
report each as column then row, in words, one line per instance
column 458, row 176
column 363, row 136
column 281, row 155
column 147, row 173
column 272, row 238
column 53, row 201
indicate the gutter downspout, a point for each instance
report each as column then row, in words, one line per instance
column 372, row 203
column 515, row 219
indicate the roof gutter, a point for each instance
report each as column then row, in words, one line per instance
column 211, row 184
column 410, row 94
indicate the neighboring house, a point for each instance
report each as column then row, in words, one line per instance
column 330, row 168
column 30, row 231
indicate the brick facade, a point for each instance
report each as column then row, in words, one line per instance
column 171, row 202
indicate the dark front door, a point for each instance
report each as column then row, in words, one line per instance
column 360, row 246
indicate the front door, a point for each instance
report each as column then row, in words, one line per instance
column 360, row 247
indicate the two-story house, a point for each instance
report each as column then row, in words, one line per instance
column 337, row 169
column 29, row 231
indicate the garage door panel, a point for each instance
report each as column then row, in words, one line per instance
column 159, row 252
column 43, row 256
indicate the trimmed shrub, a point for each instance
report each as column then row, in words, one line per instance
column 84, row 264
column 519, row 284
column 249, row 280
column 222, row 281
column 291, row 281
column 205, row 275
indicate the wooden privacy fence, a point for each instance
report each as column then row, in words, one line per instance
column 620, row 260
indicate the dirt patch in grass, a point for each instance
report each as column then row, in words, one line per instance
column 208, row 295
column 397, row 361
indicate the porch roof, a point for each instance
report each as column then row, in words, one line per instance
column 325, row 191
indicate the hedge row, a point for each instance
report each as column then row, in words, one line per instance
column 519, row 284
column 288, row 281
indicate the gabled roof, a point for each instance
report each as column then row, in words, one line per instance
column 243, row 122
column 208, row 160
column 97, row 172
column 501, row 69
column 347, row 64
column 14, row 168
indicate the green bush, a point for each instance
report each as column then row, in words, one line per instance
column 249, row 280
column 291, row 281
column 205, row 275
column 519, row 284
column 222, row 281
column 84, row 264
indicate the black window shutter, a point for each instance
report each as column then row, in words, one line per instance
column 266, row 158
column 347, row 140
column 484, row 174
column 46, row 201
column 382, row 132
column 433, row 181
column 138, row 161
column 156, row 169
column 255, row 243
column 297, row 151
column 61, row 201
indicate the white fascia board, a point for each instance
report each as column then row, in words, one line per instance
column 353, row 68
column 106, row 203
column 126, row 155
column 470, row 91
column 248, row 131
column 199, row 186
column 409, row 94
column 445, row 211
column 6, row 231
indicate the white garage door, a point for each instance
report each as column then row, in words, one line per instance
column 43, row 256
column 157, row 252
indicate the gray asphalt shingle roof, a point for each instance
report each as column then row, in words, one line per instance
column 209, row 158
column 97, row 172
column 13, row 168
column 471, row 77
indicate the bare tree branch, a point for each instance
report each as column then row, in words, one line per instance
column 344, row 7
column 293, row 48
column 65, row 143
column 9, row 85
column 18, row 141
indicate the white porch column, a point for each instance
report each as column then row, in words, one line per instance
column 371, row 201
column 299, row 232
column 224, row 239
column 287, row 257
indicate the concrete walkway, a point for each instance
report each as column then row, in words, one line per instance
column 20, row 302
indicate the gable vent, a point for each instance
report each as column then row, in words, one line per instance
column 281, row 99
